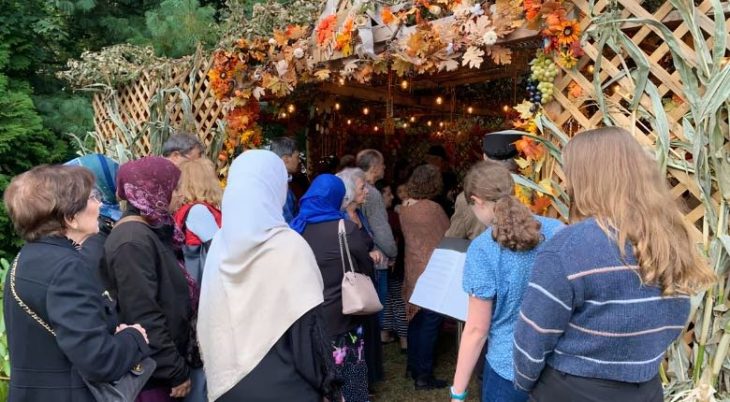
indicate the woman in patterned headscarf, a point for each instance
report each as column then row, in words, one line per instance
column 143, row 274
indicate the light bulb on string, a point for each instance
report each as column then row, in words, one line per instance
column 337, row 105
column 342, row 81
column 439, row 100
column 405, row 125
column 349, row 122
column 376, row 129
column 441, row 124
column 283, row 115
column 413, row 119
column 429, row 123
column 591, row 69
column 291, row 108
column 365, row 111
column 506, row 108
column 470, row 110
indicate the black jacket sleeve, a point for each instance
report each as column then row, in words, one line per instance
column 133, row 266
column 76, row 313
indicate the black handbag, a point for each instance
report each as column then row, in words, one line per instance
column 124, row 389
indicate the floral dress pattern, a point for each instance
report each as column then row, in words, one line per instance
column 348, row 352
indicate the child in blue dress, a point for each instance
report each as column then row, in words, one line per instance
column 496, row 274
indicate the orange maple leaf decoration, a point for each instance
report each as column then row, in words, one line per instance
column 532, row 9
column 326, row 29
column 574, row 90
column 530, row 148
column 387, row 16
column 540, row 205
column 348, row 25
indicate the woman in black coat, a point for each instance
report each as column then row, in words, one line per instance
column 318, row 222
column 74, row 332
column 142, row 271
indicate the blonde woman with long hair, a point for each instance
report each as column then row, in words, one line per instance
column 197, row 202
column 610, row 292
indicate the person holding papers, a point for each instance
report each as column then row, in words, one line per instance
column 496, row 271
column 424, row 223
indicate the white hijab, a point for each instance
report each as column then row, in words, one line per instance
column 259, row 278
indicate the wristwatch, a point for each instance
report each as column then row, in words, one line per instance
column 459, row 397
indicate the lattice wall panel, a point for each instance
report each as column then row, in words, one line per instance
column 577, row 113
column 131, row 106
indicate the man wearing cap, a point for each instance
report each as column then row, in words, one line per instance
column 499, row 147
column 437, row 157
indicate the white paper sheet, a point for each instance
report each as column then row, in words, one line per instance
column 439, row 287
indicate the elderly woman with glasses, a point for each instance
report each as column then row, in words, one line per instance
column 61, row 329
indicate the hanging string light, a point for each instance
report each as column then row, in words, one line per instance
column 470, row 110
column 413, row 119
column 429, row 123
column 291, row 108
column 376, row 129
column 404, row 85
column 365, row 111
column 337, row 105
column 439, row 100
column 349, row 122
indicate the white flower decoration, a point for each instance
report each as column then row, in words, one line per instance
column 272, row 42
column 450, row 49
column 476, row 10
column 489, row 38
column 298, row 53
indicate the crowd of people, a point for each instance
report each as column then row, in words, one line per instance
column 237, row 293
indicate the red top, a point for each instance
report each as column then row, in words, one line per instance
column 181, row 216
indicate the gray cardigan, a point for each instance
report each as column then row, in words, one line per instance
column 377, row 215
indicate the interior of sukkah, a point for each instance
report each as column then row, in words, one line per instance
column 450, row 109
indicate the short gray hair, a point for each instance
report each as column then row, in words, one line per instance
column 283, row 146
column 349, row 176
column 183, row 143
column 367, row 158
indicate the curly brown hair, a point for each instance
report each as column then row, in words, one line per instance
column 514, row 226
column 425, row 183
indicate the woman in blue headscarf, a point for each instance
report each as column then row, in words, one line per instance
column 105, row 172
column 320, row 212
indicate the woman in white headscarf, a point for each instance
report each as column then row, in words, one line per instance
column 259, row 324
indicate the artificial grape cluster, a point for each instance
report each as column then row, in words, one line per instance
column 540, row 85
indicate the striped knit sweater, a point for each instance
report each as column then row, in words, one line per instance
column 586, row 312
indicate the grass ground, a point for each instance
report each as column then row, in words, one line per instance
column 396, row 388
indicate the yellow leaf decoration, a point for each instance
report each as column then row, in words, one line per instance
column 323, row 75
column 547, row 185
column 277, row 86
column 401, row 67
column 473, row 57
column 500, row 55
column 524, row 110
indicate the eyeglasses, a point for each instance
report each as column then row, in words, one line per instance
column 95, row 195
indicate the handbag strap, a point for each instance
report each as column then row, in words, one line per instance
column 22, row 304
column 342, row 238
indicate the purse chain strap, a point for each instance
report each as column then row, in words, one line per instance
column 22, row 304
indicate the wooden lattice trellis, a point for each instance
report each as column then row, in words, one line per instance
column 575, row 115
column 571, row 114
column 131, row 104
